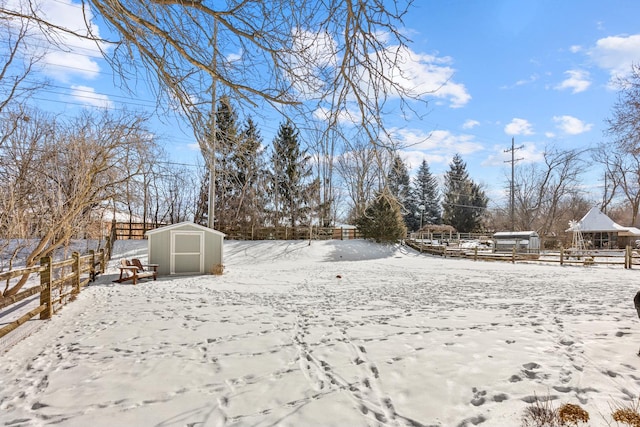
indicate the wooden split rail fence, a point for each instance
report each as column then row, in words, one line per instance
column 59, row 283
column 627, row 257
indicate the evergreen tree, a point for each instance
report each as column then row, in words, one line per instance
column 226, row 143
column 464, row 201
column 399, row 185
column 250, row 177
column 201, row 210
column 239, row 173
column 425, row 193
column 382, row 221
column 293, row 193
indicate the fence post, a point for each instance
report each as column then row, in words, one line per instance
column 103, row 261
column 627, row 257
column 45, row 294
column 513, row 255
column 76, row 269
column 561, row 255
column 475, row 253
column 92, row 268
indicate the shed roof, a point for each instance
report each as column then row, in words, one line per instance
column 182, row 224
column 512, row 234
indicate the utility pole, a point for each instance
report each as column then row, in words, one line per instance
column 212, row 158
column 512, row 189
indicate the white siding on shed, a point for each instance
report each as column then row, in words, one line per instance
column 185, row 248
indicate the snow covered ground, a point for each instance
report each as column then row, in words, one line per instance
column 338, row 333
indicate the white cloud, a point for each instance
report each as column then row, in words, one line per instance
column 523, row 82
column 421, row 75
column 428, row 74
column 234, row 57
column 436, row 147
column 578, row 81
column 532, row 78
column 349, row 117
column 470, row 124
column 526, row 153
column 571, row 125
column 616, row 53
column 575, row 49
column 71, row 56
column 518, row 127
column 314, row 54
column 87, row 95
column 64, row 66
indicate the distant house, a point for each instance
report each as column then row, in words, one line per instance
column 185, row 248
column 601, row 232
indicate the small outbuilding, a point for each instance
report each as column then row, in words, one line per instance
column 522, row 241
column 185, row 248
column 601, row 232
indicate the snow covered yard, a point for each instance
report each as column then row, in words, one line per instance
column 339, row 333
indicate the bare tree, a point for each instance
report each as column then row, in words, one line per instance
column 340, row 57
column 323, row 145
column 61, row 171
column 622, row 173
column 610, row 159
column 19, row 155
column 621, row 160
column 359, row 169
column 624, row 125
column 17, row 62
column 541, row 190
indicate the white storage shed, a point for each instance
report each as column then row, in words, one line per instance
column 523, row 241
column 185, row 248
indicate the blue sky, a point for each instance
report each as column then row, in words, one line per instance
column 536, row 71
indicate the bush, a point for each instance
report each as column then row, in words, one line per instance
column 541, row 413
column 217, row 269
column 382, row 221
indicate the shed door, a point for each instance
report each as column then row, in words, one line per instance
column 187, row 252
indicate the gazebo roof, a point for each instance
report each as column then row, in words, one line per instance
column 597, row 222
column 438, row 228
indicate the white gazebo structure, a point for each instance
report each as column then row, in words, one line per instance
column 601, row 232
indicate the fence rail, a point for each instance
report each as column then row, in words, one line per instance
column 136, row 231
column 626, row 257
column 59, row 283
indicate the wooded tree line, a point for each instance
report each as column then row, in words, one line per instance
column 60, row 173
column 65, row 173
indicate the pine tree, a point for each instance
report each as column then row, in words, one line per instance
column 382, row 221
column 239, row 173
column 201, row 210
column 399, row 185
column 464, row 201
column 293, row 193
column 425, row 194
column 225, row 170
column 250, row 177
